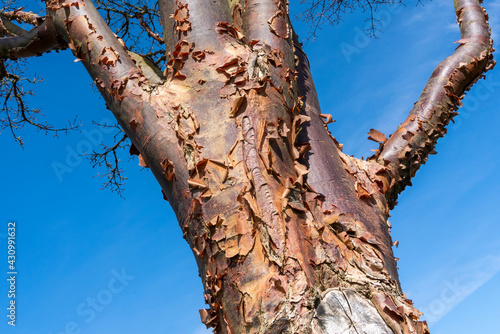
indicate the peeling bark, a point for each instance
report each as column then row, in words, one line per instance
column 290, row 234
column 414, row 140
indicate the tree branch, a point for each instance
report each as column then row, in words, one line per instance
column 194, row 21
column 328, row 174
column 320, row 12
column 9, row 29
column 137, row 23
column 148, row 29
column 108, row 158
column 408, row 148
column 24, row 17
column 15, row 110
column 37, row 41
column 268, row 22
column 103, row 55
column 128, row 94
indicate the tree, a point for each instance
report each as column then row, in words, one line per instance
column 307, row 217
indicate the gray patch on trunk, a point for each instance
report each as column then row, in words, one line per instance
column 347, row 312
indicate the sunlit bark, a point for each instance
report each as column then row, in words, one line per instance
column 289, row 233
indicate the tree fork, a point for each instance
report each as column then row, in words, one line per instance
column 290, row 234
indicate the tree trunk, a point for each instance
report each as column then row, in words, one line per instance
column 290, row 234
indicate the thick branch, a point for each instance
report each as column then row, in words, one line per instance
column 127, row 92
column 195, row 21
column 268, row 22
column 327, row 173
column 9, row 29
column 37, row 41
column 408, row 148
column 23, row 17
column 91, row 40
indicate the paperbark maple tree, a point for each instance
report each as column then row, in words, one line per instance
column 289, row 233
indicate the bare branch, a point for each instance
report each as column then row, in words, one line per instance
column 408, row 148
column 22, row 44
column 108, row 158
column 137, row 24
column 15, row 111
column 320, row 12
column 148, row 29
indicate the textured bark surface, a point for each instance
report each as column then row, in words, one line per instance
column 409, row 147
column 346, row 311
column 289, row 233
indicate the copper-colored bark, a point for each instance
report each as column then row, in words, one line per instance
column 273, row 210
column 408, row 148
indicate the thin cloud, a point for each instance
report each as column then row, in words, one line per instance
column 457, row 283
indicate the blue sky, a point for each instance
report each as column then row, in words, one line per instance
column 78, row 245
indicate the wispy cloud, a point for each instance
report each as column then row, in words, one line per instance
column 458, row 281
